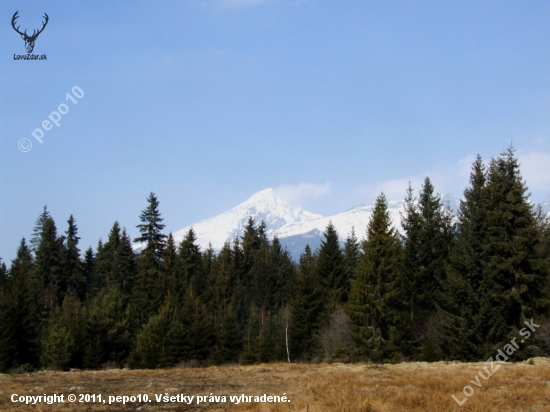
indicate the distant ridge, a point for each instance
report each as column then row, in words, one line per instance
column 294, row 226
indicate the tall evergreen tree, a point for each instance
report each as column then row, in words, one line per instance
column 190, row 273
column 108, row 331
column 19, row 317
column 150, row 263
column 49, row 275
column 372, row 305
column 39, row 228
column 330, row 267
column 351, row 260
column 73, row 278
column 434, row 247
column 162, row 342
column 87, row 270
column 307, row 307
column 151, row 229
column 464, row 317
column 515, row 274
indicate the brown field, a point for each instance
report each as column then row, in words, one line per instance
column 310, row 387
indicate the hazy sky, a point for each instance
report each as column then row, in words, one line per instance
column 207, row 102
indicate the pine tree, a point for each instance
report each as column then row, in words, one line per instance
column 49, row 275
column 330, row 267
column 125, row 265
column 281, row 274
column 307, row 308
column 228, row 338
column 63, row 343
column 72, row 266
column 108, row 336
column 87, row 270
column 39, row 228
column 427, row 244
column 351, row 260
column 3, row 279
column 150, row 263
column 190, row 262
column 105, row 262
column 171, row 266
column 408, row 284
column 515, row 275
column 161, row 343
column 19, row 317
column 199, row 326
column 463, row 315
column 151, row 229
column 372, row 305
column 434, row 247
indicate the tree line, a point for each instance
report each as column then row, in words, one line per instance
column 441, row 288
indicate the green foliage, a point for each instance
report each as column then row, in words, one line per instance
column 438, row 291
column 373, row 304
column 48, row 269
column 161, row 342
column 307, row 308
column 19, row 313
column 330, row 268
column 108, row 337
column 57, row 347
column 151, row 229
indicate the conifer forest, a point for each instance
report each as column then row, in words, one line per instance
column 441, row 287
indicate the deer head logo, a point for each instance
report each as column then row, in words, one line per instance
column 29, row 40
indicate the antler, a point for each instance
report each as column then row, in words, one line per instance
column 15, row 16
column 43, row 25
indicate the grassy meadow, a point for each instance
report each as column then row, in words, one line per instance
column 403, row 387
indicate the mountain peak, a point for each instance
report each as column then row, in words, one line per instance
column 264, row 205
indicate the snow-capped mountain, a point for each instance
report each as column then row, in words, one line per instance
column 265, row 205
column 294, row 226
column 546, row 206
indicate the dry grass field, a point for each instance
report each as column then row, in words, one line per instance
column 316, row 387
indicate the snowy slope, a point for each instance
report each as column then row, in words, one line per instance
column 264, row 205
column 546, row 206
column 294, row 226
column 357, row 218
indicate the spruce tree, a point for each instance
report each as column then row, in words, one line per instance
column 428, row 240
column 49, row 274
column 351, row 259
column 150, row 264
column 72, row 265
column 38, row 229
column 87, row 270
column 63, row 344
column 151, row 229
column 19, row 315
column 515, row 275
column 190, row 265
column 372, row 305
column 463, row 314
column 307, row 308
column 108, row 329
column 330, row 267
column 161, row 342
column 125, row 265
column 434, row 247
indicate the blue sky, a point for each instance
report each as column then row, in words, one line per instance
column 207, row 102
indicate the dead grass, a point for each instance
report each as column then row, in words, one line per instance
column 312, row 388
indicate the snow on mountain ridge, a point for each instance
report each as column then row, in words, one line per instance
column 265, row 205
column 357, row 218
